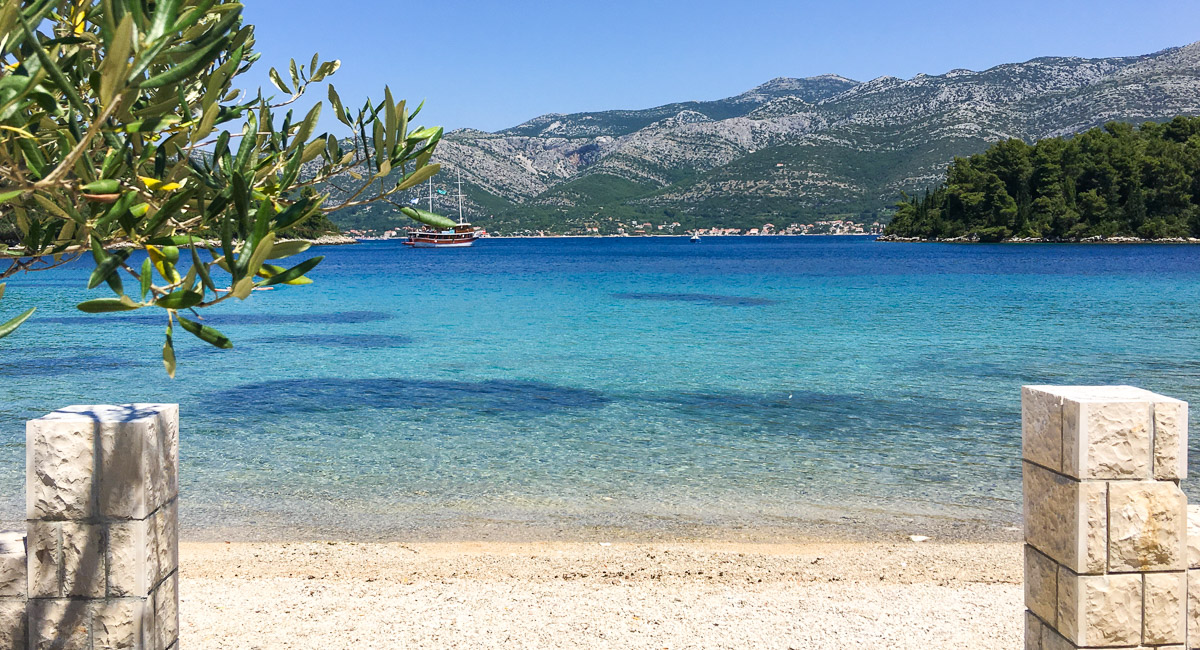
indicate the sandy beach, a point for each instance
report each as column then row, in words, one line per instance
column 327, row 595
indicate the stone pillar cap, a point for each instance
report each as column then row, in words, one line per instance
column 108, row 412
column 1104, row 393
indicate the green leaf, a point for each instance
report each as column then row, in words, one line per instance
column 106, row 186
column 278, row 81
column 288, row 248
column 8, row 196
column 293, row 273
column 203, row 269
column 180, row 300
column 104, row 305
column 207, row 334
column 147, row 276
column 419, row 176
column 116, row 60
column 169, row 353
column 242, row 289
column 106, row 264
column 338, row 110
column 12, row 325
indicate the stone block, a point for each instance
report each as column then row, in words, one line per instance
column 1041, row 585
column 1165, row 608
column 1170, row 439
column 13, row 583
column 1066, row 519
column 1041, row 427
column 83, row 566
column 13, row 624
column 1100, row 611
column 59, row 467
column 1033, row 632
column 1147, row 526
column 1052, row 640
column 131, row 558
column 166, row 612
column 135, row 472
column 59, row 624
column 1193, row 537
column 1193, row 609
column 1107, row 432
column 124, row 623
column 166, row 540
column 141, row 553
column 43, row 559
column 139, row 450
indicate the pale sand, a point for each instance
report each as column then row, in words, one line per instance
column 585, row 595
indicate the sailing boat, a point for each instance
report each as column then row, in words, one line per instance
column 442, row 232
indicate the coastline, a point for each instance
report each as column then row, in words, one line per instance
column 1039, row 240
column 905, row 596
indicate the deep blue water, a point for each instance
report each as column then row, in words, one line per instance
column 642, row 383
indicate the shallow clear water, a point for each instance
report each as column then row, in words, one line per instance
column 635, row 383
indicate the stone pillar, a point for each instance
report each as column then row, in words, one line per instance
column 1106, row 552
column 103, row 543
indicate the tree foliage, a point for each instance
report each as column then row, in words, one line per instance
column 1112, row 181
column 122, row 128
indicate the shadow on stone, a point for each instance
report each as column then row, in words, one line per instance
column 699, row 298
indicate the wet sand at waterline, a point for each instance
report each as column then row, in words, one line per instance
column 331, row 595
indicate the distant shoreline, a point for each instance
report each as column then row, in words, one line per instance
column 1040, row 240
column 847, row 234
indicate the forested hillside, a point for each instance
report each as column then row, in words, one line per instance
column 1106, row 182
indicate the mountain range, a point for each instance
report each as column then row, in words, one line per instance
column 789, row 150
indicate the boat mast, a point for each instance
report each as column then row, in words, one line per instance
column 460, row 197
column 431, row 194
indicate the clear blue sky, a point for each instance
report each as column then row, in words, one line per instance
column 491, row 65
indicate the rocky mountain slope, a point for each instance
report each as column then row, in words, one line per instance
column 790, row 149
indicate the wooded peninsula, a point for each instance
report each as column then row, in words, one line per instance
column 1115, row 181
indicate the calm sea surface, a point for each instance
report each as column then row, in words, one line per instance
column 606, row 384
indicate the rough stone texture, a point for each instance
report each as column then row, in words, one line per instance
column 1106, row 433
column 1193, row 609
column 1170, row 439
column 141, row 553
column 1033, row 626
column 1165, row 608
column 103, row 549
column 1041, row 421
column 82, row 557
column 1101, row 610
column 1193, row 537
column 44, row 558
column 1041, row 585
column 59, row 467
column 58, row 624
column 13, row 583
column 130, row 551
column 166, row 612
column 166, row 540
column 12, row 624
column 138, row 456
column 1066, row 519
column 121, row 623
column 1147, row 523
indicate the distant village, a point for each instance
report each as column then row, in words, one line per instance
column 646, row 229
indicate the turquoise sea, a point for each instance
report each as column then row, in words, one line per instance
column 563, row 387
